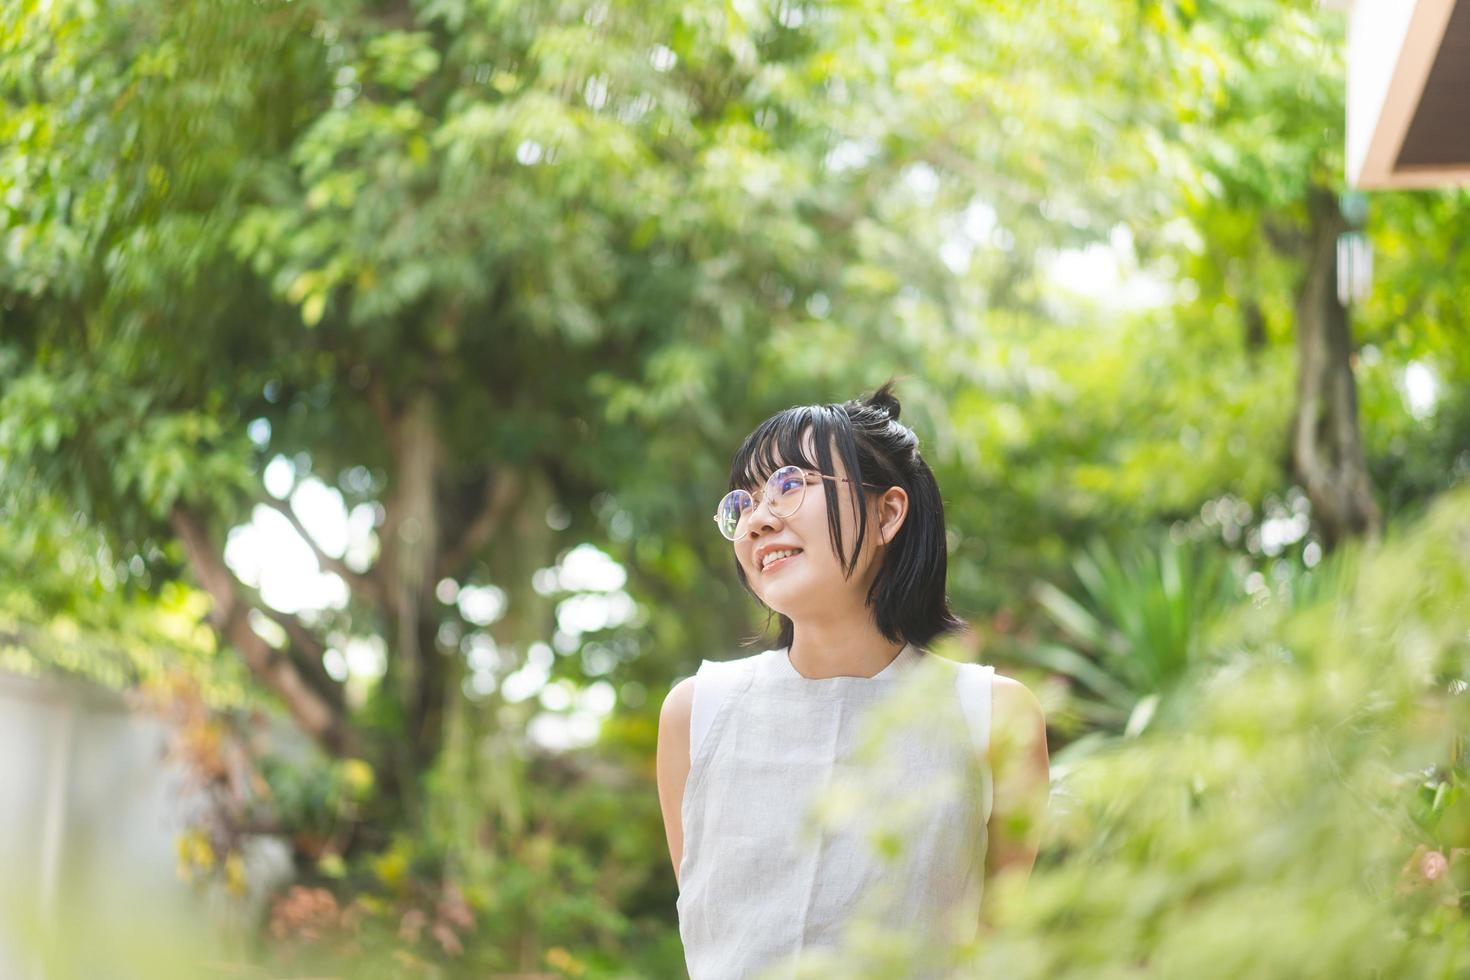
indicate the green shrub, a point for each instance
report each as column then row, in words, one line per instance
column 1300, row 810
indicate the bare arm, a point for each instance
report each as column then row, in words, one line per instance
column 672, row 764
column 1021, row 771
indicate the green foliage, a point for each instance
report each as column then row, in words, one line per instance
column 70, row 604
column 1301, row 813
column 317, row 797
column 1135, row 629
column 598, row 241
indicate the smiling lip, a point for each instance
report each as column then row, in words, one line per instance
column 778, row 563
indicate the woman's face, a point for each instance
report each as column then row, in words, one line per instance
column 810, row 584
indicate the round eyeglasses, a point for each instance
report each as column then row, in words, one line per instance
column 785, row 491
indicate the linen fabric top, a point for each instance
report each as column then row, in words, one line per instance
column 819, row 812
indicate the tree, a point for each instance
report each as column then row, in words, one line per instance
column 466, row 264
column 1266, row 128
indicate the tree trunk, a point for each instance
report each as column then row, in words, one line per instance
column 427, row 533
column 1327, row 447
column 411, row 557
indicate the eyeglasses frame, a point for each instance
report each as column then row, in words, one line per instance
column 756, row 501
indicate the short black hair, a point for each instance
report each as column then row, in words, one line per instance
column 908, row 593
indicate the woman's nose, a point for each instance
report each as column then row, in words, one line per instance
column 761, row 516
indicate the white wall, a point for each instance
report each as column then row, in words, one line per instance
column 89, row 813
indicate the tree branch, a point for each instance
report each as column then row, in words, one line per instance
column 365, row 585
column 502, row 490
column 306, row 651
column 318, row 718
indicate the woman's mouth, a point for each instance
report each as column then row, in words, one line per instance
column 779, row 562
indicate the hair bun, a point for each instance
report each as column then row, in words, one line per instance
column 885, row 401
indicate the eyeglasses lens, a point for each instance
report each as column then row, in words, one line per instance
column 784, row 490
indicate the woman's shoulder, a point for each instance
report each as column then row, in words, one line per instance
column 723, row 672
column 677, row 706
column 1010, row 695
column 1017, row 715
column 680, row 699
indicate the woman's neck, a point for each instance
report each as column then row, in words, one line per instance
column 816, row 654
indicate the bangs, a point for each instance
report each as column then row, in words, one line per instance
column 778, row 442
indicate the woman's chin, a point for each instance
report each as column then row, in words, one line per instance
column 789, row 598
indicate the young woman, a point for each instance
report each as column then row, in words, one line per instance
column 746, row 747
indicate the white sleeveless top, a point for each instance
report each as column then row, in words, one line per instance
column 768, row 880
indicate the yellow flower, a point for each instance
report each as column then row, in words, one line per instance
column 235, row 873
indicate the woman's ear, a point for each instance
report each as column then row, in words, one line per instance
column 893, row 509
